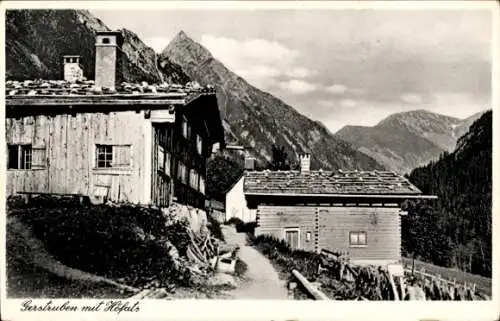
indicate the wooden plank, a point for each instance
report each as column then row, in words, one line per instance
column 313, row 291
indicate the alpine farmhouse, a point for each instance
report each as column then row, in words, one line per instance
column 342, row 211
column 124, row 142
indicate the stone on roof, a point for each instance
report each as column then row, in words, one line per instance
column 328, row 182
column 87, row 87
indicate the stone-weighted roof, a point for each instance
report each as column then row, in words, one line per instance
column 86, row 87
column 327, row 182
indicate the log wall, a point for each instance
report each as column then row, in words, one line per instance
column 330, row 227
column 68, row 162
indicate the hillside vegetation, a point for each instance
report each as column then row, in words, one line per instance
column 455, row 230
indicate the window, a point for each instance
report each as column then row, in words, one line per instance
column 104, row 156
column 20, row 156
column 182, row 173
column 308, row 237
column 202, row 185
column 161, row 158
column 357, row 239
column 193, row 179
column 185, row 127
column 105, row 40
column 199, row 144
column 117, row 156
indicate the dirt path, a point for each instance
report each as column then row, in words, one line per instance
column 261, row 279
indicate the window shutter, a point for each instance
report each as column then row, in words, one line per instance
column 39, row 160
column 121, row 155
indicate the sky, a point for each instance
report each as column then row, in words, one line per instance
column 341, row 67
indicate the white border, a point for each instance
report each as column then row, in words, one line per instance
column 275, row 310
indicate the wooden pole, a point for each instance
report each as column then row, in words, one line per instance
column 393, row 286
column 413, row 263
column 315, row 293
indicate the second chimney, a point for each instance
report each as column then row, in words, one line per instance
column 249, row 163
column 106, row 58
column 72, row 69
column 305, row 162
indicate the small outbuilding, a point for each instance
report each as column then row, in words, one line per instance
column 358, row 212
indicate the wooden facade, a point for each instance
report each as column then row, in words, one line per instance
column 123, row 152
column 317, row 210
column 330, row 227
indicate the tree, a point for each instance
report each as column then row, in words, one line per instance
column 280, row 159
column 456, row 229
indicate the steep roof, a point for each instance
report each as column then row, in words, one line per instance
column 31, row 97
column 339, row 183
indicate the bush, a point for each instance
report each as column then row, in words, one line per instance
column 248, row 227
column 279, row 252
column 234, row 221
column 242, row 227
column 214, row 228
column 130, row 242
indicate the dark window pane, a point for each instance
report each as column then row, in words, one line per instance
column 13, row 151
column 104, row 155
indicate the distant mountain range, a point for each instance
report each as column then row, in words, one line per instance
column 404, row 141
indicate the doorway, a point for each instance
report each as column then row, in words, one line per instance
column 292, row 237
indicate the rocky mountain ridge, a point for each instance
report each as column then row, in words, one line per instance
column 257, row 119
column 37, row 40
column 404, row 141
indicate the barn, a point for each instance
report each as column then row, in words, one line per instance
column 124, row 142
column 358, row 212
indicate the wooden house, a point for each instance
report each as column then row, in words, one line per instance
column 123, row 142
column 347, row 211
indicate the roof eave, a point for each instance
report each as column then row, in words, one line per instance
column 395, row 196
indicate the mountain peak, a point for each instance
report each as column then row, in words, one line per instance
column 182, row 44
column 182, row 36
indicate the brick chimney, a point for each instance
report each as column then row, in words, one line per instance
column 72, row 69
column 305, row 162
column 106, row 58
column 249, row 163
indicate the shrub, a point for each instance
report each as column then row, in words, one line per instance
column 234, row 221
column 214, row 228
column 130, row 242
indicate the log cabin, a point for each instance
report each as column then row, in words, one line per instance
column 358, row 212
column 136, row 143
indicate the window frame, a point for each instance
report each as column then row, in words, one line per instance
column 23, row 152
column 106, row 153
column 357, row 243
column 113, row 169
